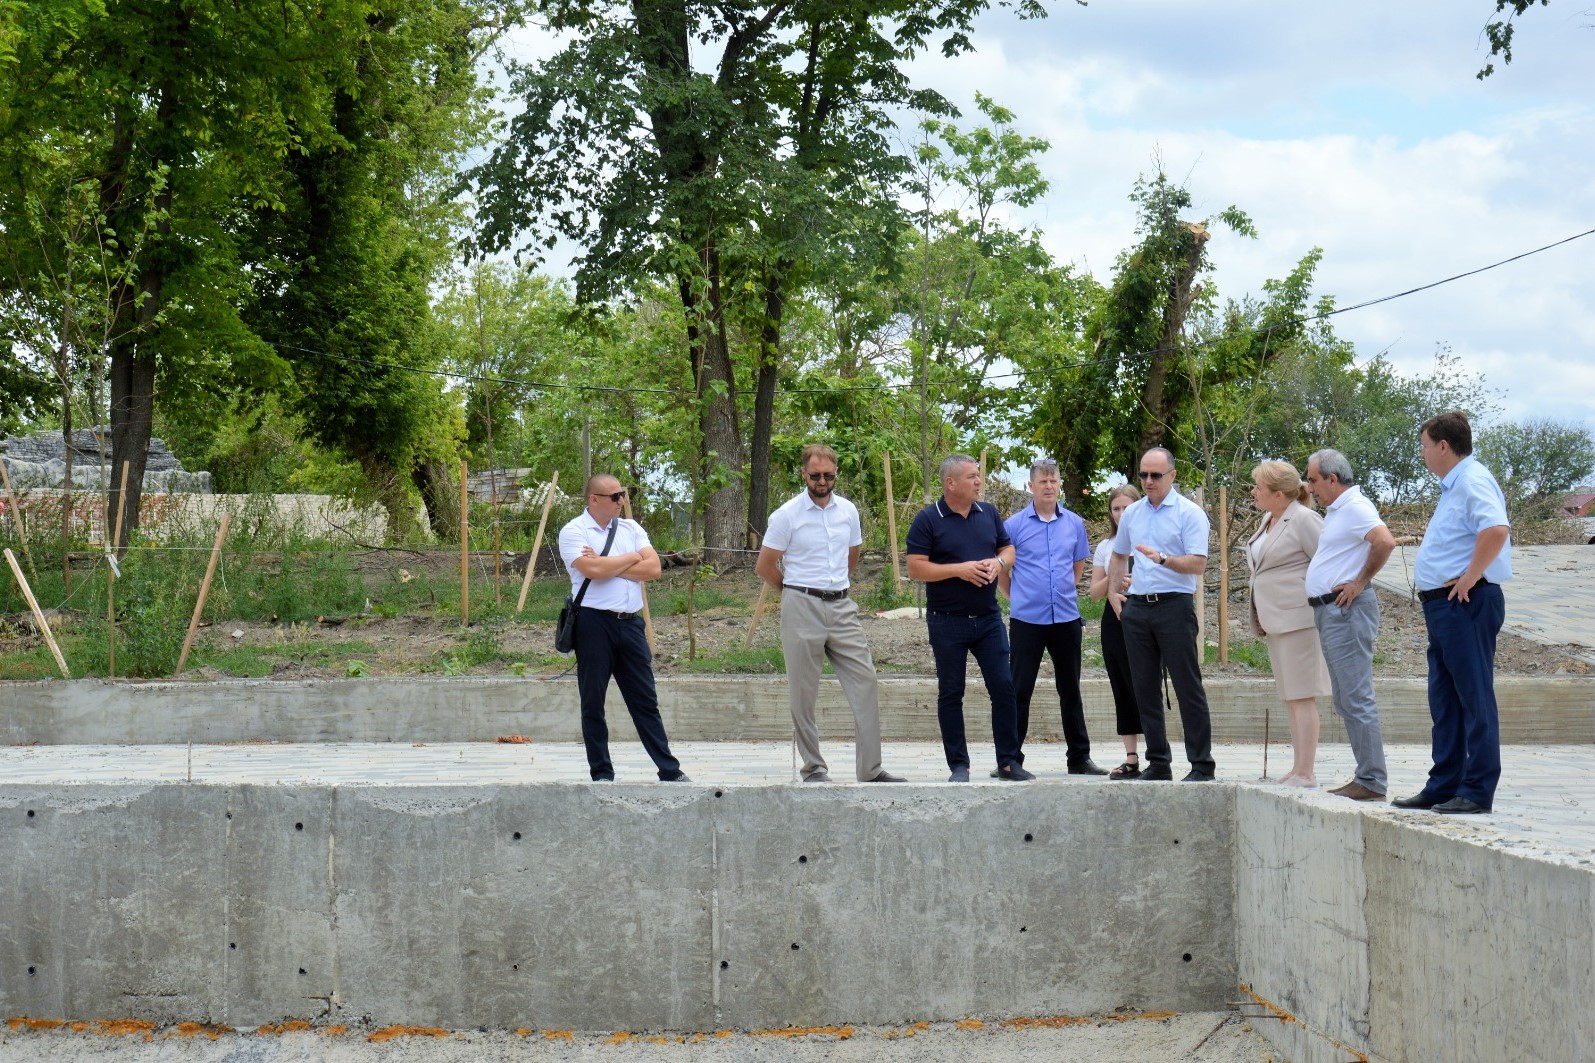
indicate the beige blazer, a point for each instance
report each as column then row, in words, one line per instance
column 1279, row 575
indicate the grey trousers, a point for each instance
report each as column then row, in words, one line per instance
column 813, row 631
column 1347, row 637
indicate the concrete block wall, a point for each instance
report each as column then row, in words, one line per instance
column 1410, row 938
column 405, row 709
column 634, row 907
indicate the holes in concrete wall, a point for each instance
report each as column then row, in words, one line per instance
column 1176, row 841
column 724, row 964
column 301, row 970
column 1024, row 929
column 30, row 813
column 232, row 944
column 1186, row 957
column 717, row 793
column 803, row 859
column 1030, row 837
column 515, row 966
column 516, row 835
column 33, row 970
column 299, row 826
column 229, row 815
column 794, row 946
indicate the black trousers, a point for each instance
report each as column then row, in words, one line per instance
column 1027, row 642
column 1162, row 635
column 1126, row 712
column 608, row 646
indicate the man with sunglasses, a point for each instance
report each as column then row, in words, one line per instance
column 611, row 640
column 1170, row 533
column 809, row 553
column 958, row 547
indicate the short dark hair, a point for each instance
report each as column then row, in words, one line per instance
column 1452, row 428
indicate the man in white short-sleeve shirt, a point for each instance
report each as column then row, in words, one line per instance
column 1354, row 546
column 809, row 552
column 611, row 638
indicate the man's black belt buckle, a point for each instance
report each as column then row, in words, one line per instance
column 616, row 613
column 1153, row 599
column 1442, row 592
column 1323, row 599
column 824, row 596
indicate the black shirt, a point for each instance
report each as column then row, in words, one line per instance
column 945, row 538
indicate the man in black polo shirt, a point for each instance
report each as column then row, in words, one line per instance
column 957, row 547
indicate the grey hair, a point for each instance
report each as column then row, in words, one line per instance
column 951, row 462
column 1333, row 463
column 1043, row 464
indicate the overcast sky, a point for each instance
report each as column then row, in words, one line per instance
column 1357, row 127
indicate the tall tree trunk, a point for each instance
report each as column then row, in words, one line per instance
column 769, row 372
column 439, row 494
column 1157, row 405
column 724, row 461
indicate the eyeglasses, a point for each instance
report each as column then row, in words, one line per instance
column 614, row 496
column 822, row 477
column 1153, row 476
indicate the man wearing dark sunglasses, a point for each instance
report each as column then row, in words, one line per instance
column 1170, row 533
column 809, row 553
column 611, row 640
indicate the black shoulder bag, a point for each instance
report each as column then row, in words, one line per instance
column 565, row 629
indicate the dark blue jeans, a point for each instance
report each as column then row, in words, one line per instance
column 608, row 646
column 1062, row 641
column 1467, row 729
column 952, row 640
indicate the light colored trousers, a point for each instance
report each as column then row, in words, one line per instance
column 813, row 631
column 1347, row 637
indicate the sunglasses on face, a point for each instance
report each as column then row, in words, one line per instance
column 822, row 477
column 1153, row 476
column 615, row 496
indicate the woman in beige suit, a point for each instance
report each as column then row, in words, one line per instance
column 1279, row 553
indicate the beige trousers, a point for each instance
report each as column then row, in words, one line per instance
column 813, row 631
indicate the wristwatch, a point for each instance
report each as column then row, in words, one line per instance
column 1162, row 558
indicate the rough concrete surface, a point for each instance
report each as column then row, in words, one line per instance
column 1197, row 1037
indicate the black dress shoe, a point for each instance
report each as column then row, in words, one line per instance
column 1461, row 806
column 1014, row 773
column 887, row 776
column 1087, row 767
column 1155, row 773
column 959, row 774
column 1421, row 799
column 679, row 776
column 1198, row 776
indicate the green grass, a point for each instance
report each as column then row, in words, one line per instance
column 761, row 660
column 1251, row 652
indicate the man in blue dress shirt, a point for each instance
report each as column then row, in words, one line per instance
column 1465, row 556
column 1170, row 532
column 1050, row 551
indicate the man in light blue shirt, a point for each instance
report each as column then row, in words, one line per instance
column 1465, row 556
column 1170, row 532
column 1050, row 551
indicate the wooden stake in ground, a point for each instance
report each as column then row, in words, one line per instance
column 38, row 614
column 111, row 577
column 204, row 591
column 758, row 611
column 465, row 549
column 1201, row 605
column 647, row 618
column 983, row 465
column 537, row 543
column 1223, row 575
column 16, row 515
column 891, row 521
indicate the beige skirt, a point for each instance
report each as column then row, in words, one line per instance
column 1298, row 662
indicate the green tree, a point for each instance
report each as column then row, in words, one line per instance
column 1499, row 31
column 1537, row 462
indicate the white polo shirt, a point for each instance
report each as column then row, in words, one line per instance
column 617, row 593
column 816, row 540
column 1343, row 545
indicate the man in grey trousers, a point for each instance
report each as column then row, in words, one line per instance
column 1354, row 546
column 809, row 552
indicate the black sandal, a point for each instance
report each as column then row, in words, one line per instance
column 1130, row 769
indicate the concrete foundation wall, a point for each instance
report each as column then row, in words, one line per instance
column 1410, row 942
column 94, row 712
column 608, row 907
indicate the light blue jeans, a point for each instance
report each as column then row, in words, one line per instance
column 1347, row 637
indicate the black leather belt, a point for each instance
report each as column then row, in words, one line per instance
column 1442, row 592
column 616, row 613
column 1323, row 599
column 824, row 596
column 958, row 616
column 1153, row 599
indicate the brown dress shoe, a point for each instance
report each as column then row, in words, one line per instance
column 1358, row 792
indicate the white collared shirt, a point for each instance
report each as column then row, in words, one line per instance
column 1343, row 545
column 816, row 540
column 617, row 593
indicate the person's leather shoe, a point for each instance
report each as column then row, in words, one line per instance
column 887, row 776
column 1087, row 767
column 818, row 776
column 679, row 776
column 1421, row 799
column 1358, row 792
column 1461, row 806
column 1199, row 776
column 959, row 775
column 1014, row 773
column 1155, row 773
